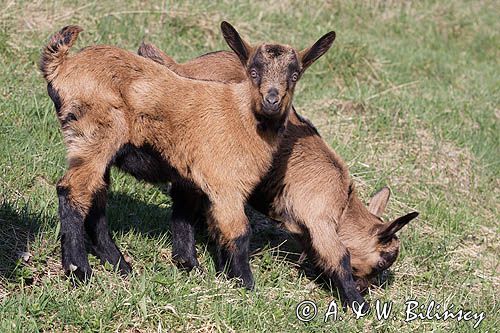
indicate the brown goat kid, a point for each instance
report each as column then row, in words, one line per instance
column 216, row 139
column 308, row 190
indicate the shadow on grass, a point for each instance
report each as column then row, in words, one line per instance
column 126, row 213
column 17, row 231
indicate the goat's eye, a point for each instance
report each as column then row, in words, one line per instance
column 295, row 77
column 254, row 74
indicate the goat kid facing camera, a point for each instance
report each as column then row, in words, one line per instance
column 216, row 139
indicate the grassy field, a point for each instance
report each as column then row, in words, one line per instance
column 409, row 96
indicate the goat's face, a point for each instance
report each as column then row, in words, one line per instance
column 274, row 69
column 380, row 246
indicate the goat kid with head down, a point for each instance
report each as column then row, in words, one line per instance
column 308, row 190
column 215, row 139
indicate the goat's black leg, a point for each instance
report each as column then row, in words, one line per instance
column 74, row 256
column 186, row 211
column 234, row 259
column 324, row 247
column 97, row 230
column 343, row 279
column 229, row 226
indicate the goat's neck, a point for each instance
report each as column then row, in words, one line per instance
column 270, row 130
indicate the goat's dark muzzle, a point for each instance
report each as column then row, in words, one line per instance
column 271, row 104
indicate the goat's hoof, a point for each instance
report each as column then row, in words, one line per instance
column 78, row 273
column 249, row 284
column 186, row 264
column 124, row 268
column 245, row 280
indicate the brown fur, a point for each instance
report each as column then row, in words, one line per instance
column 217, row 137
column 308, row 188
column 231, row 72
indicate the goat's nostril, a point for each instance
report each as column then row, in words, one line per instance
column 272, row 99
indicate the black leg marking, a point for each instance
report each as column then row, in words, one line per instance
column 343, row 279
column 186, row 210
column 74, row 255
column 96, row 227
column 235, row 260
column 341, row 276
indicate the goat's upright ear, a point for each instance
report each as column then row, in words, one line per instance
column 386, row 233
column 310, row 55
column 235, row 42
column 379, row 201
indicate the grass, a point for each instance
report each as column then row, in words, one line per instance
column 409, row 96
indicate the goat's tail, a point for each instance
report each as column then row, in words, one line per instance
column 56, row 50
column 152, row 52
